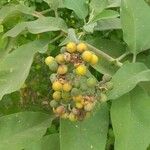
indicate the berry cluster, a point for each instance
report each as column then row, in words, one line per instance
column 75, row 89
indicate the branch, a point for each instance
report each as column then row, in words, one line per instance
column 106, row 56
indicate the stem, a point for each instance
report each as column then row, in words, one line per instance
column 123, row 56
column 37, row 14
column 134, row 58
column 56, row 38
column 106, row 56
column 45, row 11
column 56, row 13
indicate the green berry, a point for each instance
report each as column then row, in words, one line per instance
column 106, row 77
column 109, row 85
column 91, row 82
column 53, row 77
column 75, row 92
column 53, row 104
column 103, row 97
column 53, row 66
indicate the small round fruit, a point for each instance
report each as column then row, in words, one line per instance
column 60, row 59
column 53, row 77
column 91, row 82
column 81, row 47
column 57, row 95
column 53, row 66
column 72, row 117
column 63, row 50
column 65, row 116
column 94, row 59
column 79, row 105
column 71, row 47
column 106, row 77
column 89, row 106
column 81, row 70
column 78, row 98
column 60, row 110
column 49, row 60
column 66, row 96
column 67, row 87
column 62, row 69
column 57, row 86
column 87, row 56
column 53, row 104
column 75, row 92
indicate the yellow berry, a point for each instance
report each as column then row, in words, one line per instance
column 65, row 116
column 94, row 59
column 60, row 110
column 60, row 58
column 49, row 60
column 72, row 117
column 62, row 69
column 89, row 106
column 57, row 95
column 81, row 47
column 67, row 87
column 71, row 47
column 57, row 86
column 87, row 56
column 79, row 105
column 81, row 70
column 78, row 98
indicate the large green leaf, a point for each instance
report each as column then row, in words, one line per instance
column 19, row 130
column 134, row 16
column 15, row 67
column 127, row 77
column 89, row 134
column 80, row 7
column 43, row 24
column 130, row 119
column 114, row 49
column 11, row 9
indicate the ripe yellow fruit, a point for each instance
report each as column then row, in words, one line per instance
column 72, row 117
column 57, row 95
column 60, row 110
column 60, row 58
column 49, row 60
column 71, row 47
column 89, row 106
column 94, row 59
column 87, row 56
column 79, row 105
column 81, row 47
column 62, row 69
column 65, row 116
column 57, row 86
column 67, row 87
column 78, row 98
column 81, row 70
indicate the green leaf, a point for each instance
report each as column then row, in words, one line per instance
column 108, row 24
column 19, row 130
column 134, row 18
column 89, row 134
column 7, row 10
column 130, row 119
column 43, row 24
column 114, row 49
column 97, row 6
column 127, row 77
column 54, row 4
column 80, row 7
column 105, row 14
column 114, row 3
column 15, row 67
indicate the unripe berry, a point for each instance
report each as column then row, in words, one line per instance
column 53, row 66
column 87, row 56
column 94, row 59
column 103, row 97
column 75, row 92
column 79, row 105
column 49, row 60
column 60, row 110
column 81, row 70
column 62, row 69
column 57, row 86
column 53, row 103
column 81, row 47
column 72, row 117
column 66, row 96
column 57, row 95
column 109, row 85
column 67, row 87
column 60, row 58
column 53, row 77
column 71, row 47
column 89, row 106
column 63, row 50
column 91, row 82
